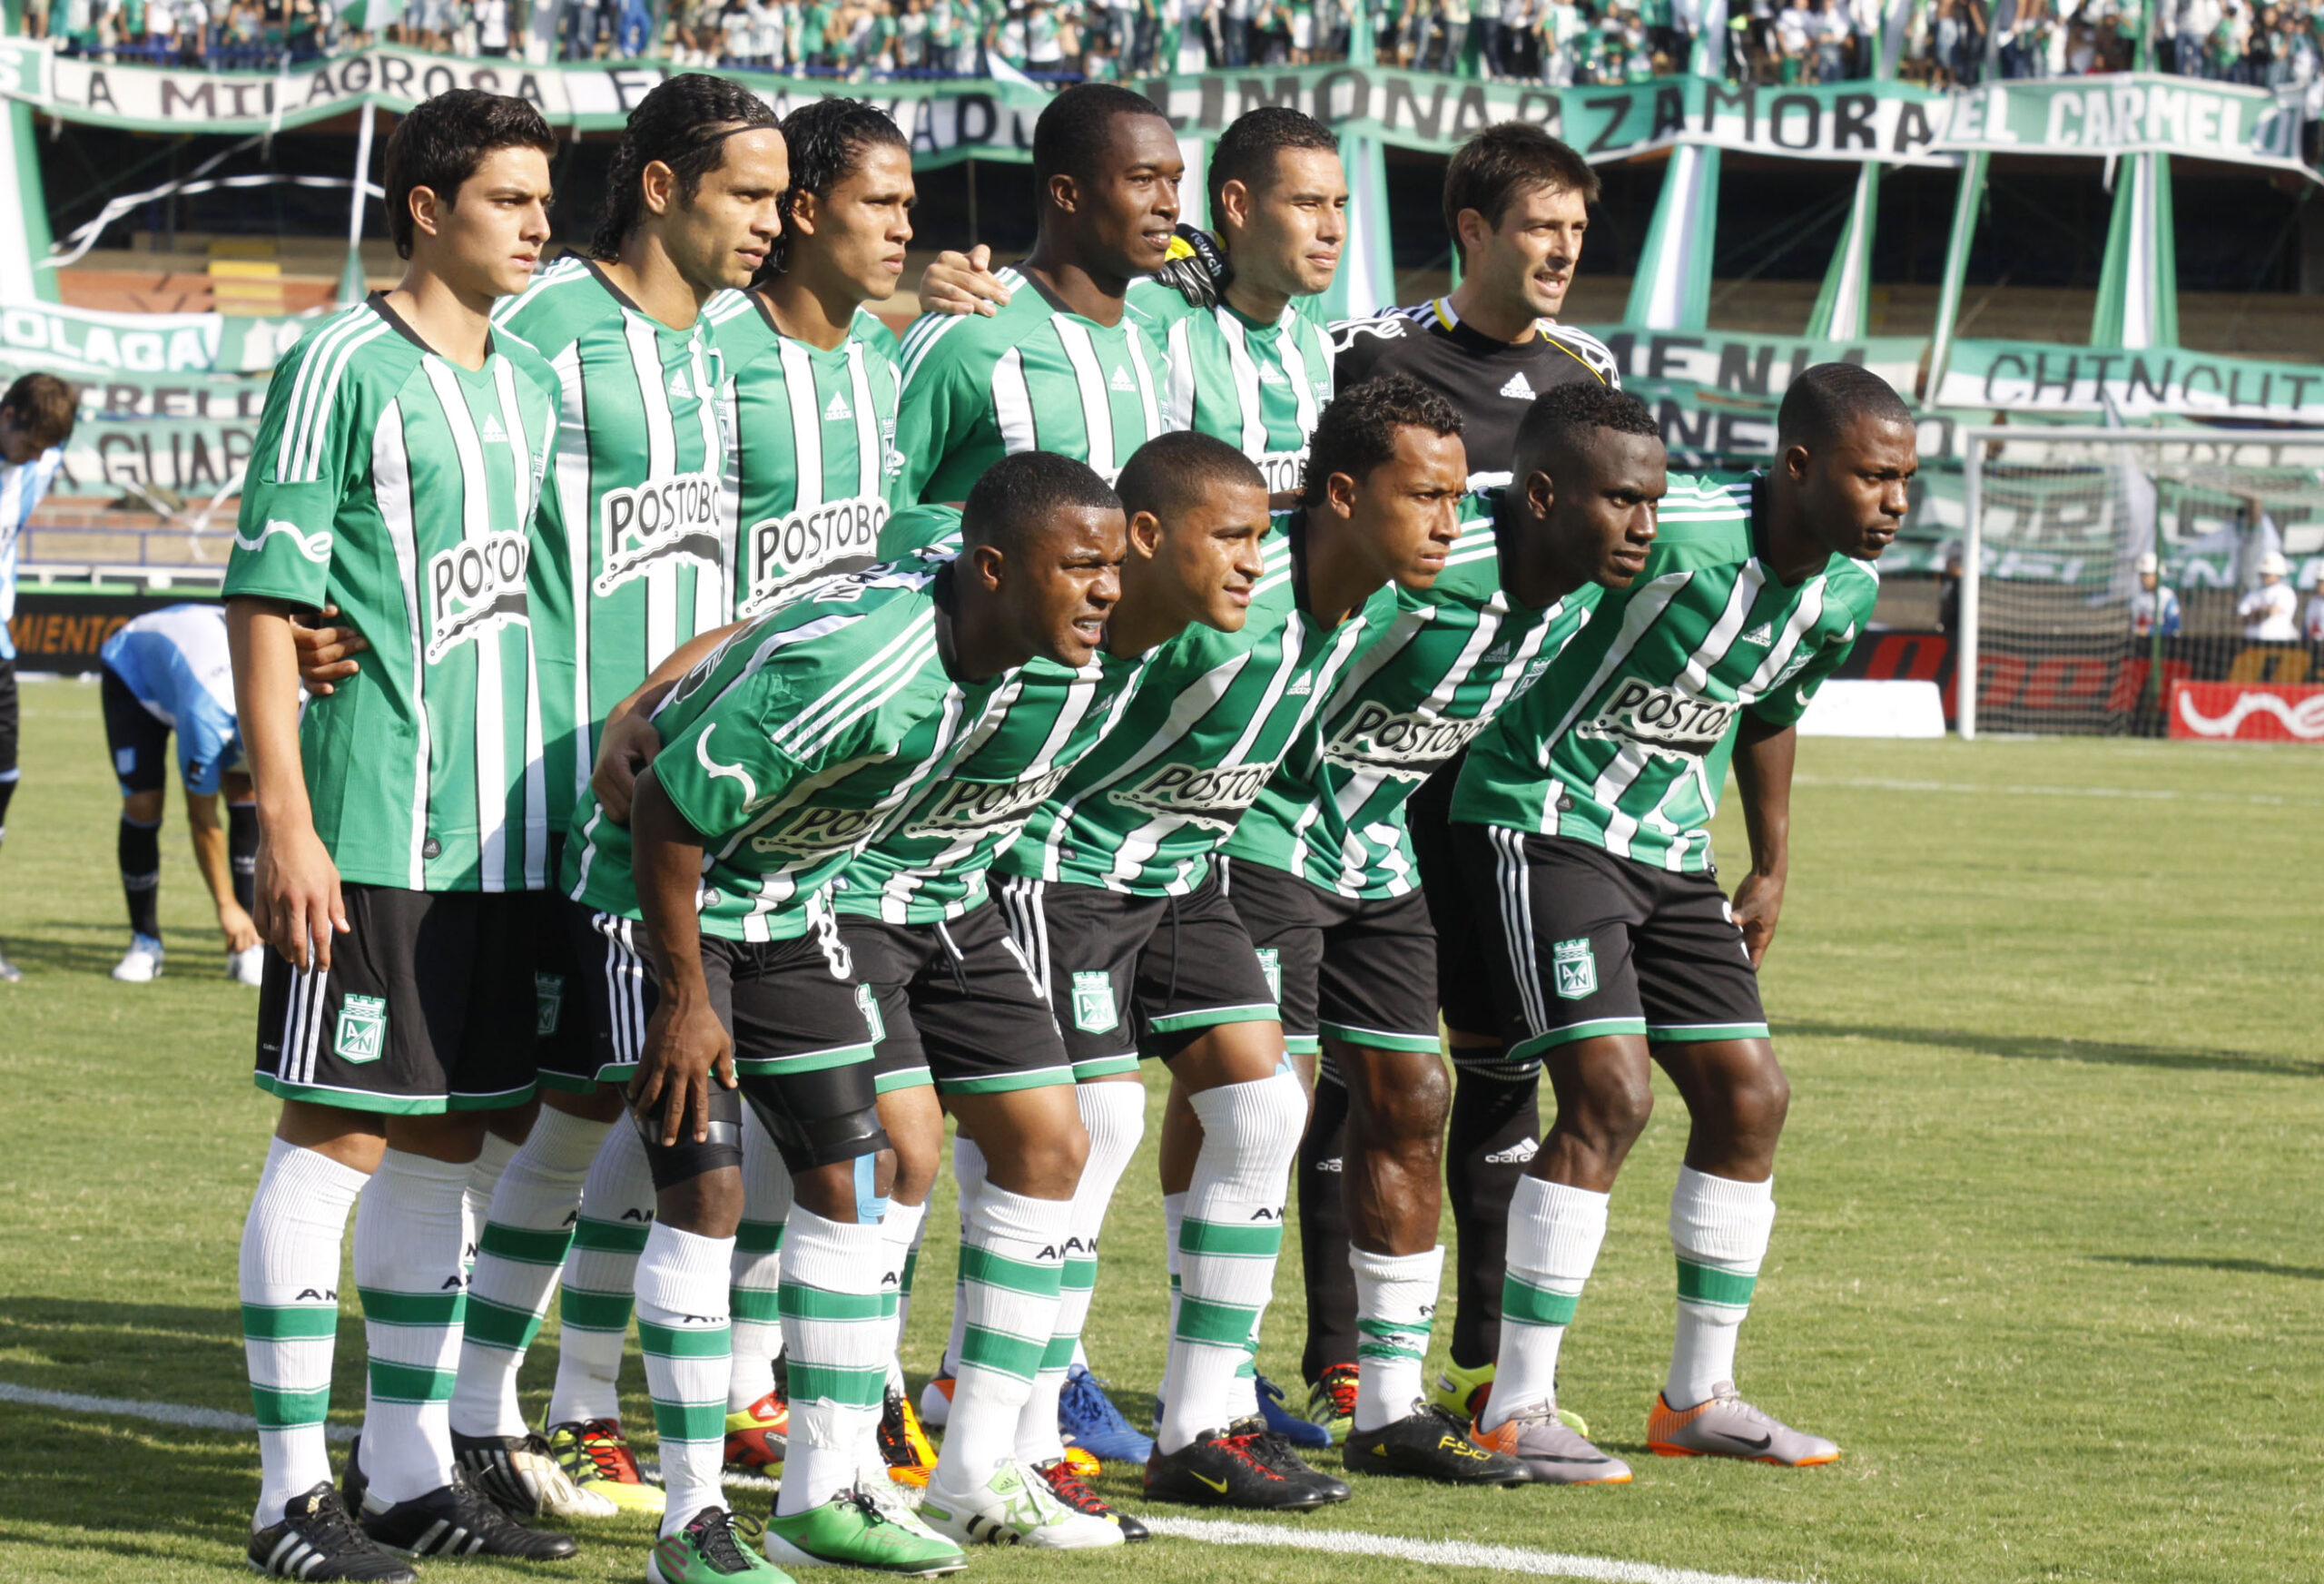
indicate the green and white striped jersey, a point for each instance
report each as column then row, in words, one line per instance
column 795, row 744
column 402, row 489
column 931, row 862
column 1257, row 386
column 815, row 445
column 640, row 510
column 1442, row 667
column 1215, row 714
column 1034, row 377
column 1625, row 744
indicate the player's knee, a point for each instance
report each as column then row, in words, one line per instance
column 144, row 807
column 1614, row 1107
column 1260, row 1121
column 1760, row 1100
column 709, row 1204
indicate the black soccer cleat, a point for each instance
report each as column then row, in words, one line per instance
column 1277, row 1452
column 455, row 1521
column 1219, row 1470
column 1429, row 1443
column 317, row 1541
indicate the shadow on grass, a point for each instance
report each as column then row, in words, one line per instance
column 2034, row 1048
column 2236, row 1267
column 63, row 947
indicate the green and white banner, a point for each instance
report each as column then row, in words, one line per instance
column 85, row 344
column 2041, row 376
column 2136, row 112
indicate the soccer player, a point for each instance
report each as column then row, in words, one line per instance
column 1064, row 366
column 1322, row 873
column 790, row 747
column 169, row 671
column 1584, row 812
column 35, row 420
column 404, row 846
column 640, row 513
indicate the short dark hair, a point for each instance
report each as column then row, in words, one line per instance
column 1169, row 472
column 1499, row 165
column 827, row 140
column 1826, row 398
column 1077, row 125
column 1245, row 151
column 1563, row 415
column 1011, row 504
column 685, row 124
column 440, row 141
column 45, row 406
column 1357, row 430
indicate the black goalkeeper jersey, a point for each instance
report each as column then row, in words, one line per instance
column 1492, row 382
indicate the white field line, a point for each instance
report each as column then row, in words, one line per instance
column 2132, row 795
column 1346, row 1542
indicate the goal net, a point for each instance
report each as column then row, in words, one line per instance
column 2057, row 621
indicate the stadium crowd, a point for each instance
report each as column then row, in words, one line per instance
column 1561, row 43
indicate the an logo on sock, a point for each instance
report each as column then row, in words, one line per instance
column 362, row 1029
column 317, row 1295
column 1264, row 1213
column 1575, row 965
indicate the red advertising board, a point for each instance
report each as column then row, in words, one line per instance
column 2248, row 712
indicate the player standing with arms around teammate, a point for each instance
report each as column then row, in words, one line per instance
column 403, row 840
column 35, row 420
column 1585, row 814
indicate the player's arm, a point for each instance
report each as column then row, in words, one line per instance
column 299, row 906
column 685, row 1041
column 629, row 742
column 1763, row 760
column 217, row 867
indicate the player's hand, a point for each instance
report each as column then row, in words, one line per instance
column 962, row 283
column 240, row 933
column 685, row 1044
column 1757, row 901
column 628, row 747
column 326, row 653
column 299, row 906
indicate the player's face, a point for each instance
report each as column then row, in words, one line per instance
column 1127, row 207
column 1600, row 512
column 863, row 225
column 2148, row 580
column 1408, row 509
column 1855, row 492
column 17, row 446
column 1072, row 578
column 489, row 240
column 722, row 236
column 1296, row 225
column 1531, row 255
column 1207, row 561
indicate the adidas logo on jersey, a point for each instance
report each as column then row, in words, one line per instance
column 1270, row 374
column 679, row 389
column 837, row 412
column 1122, row 382
column 1763, row 634
column 492, row 433
column 1302, row 686
column 1497, row 655
column 1518, row 388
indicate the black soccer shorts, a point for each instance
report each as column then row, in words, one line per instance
column 957, row 1005
column 1581, row 943
column 1463, row 983
column 1131, row 977
column 138, row 743
column 1361, row 970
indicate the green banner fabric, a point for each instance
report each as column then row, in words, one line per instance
column 2131, row 112
column 85, row 344
column 2138, row 284
column 2041, row 376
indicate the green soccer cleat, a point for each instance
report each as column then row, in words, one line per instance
column 708, row 1551
column 596, row 1456
column 1331, row 1400
column 1462, row 1393
column 851, row 1530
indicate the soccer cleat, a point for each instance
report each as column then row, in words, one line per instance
column 10, row 974
column 936, row 1401
column 1282, row 1422
column 1218, row 1469
column 596, row 1456
column 1087, row 1417
column 1066, row 1484
column 1083, row 1461
column 247, row 966
column 143, row 964
column 1277, row 1453
column 517, row 1474
column 706, row 1552
column 1331, row 1400
column 851, row 1530
column 1014, row 1507
column 1462, row 1393
column 1551, row 1454
column 455, row 1521
column 317, row 1541
column 756, row 1436
column 904, row 1447
column 1725, row 1426
column 1429, row 1443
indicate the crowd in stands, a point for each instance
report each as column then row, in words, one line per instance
column 1560, row 42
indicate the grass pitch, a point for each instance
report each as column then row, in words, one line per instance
column 2048, row 1265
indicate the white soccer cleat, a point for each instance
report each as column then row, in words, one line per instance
column 143, row 965
column 1015, row 1507
column 247, row 966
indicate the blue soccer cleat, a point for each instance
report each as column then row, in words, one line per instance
column 1087, row 1418
column 1299, row 1431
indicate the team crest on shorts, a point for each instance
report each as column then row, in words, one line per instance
column 867, row 1001
column 1271, row 965
column 362, row 1029
column 548, row 1003
column 1575, row 963
column 1093, row 1002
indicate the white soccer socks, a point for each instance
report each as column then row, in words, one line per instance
column 758, row 1265
column 1012, row 1266
column 290, row 1285
column 967, row 1173
column 1173, row 1218
column 683, row 1331
column 1554, row 1234
column 1228, row 1245
column 600, row 1279
column 838, row 1332
column 1395, row 1309
column 527, row 1232
column 476, row 1193
column 1719, row 1228
column 409, row 1260
column 1114, row 1114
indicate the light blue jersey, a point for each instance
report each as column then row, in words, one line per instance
column 20, row 488
column 175, row 662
